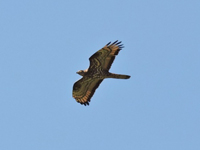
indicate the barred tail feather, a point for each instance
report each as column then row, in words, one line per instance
column 118, row 76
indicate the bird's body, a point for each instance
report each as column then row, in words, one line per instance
column 101, row 74
column 100, row 63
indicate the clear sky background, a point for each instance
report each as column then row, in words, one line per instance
column 44, row 42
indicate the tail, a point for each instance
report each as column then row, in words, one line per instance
column 118, row 76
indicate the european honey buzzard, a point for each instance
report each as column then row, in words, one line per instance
column 100, row 63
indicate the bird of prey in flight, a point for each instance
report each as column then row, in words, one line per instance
column 100, row 63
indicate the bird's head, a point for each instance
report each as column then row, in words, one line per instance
column 82, row 72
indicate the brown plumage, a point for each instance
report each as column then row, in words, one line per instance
column 100, row 63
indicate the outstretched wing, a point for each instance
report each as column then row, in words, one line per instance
column 104, row 57
column 84, row 89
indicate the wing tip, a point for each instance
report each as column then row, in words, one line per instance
column 108, row 43
column 82, row 101
column 85, row 104
column 116, row 43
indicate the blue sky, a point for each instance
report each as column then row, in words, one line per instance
column 44, row 43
